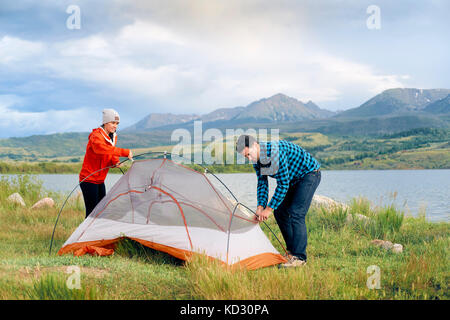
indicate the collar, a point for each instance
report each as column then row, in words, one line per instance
column 107, row 138
column 264, row 154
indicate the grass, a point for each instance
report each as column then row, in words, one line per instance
column 339, row 254
column 54, row 287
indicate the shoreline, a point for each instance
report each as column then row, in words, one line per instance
column 380, row 187
column 74, row 168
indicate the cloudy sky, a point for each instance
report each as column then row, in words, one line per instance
column 194, row 56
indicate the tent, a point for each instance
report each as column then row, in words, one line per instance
column 171, row 208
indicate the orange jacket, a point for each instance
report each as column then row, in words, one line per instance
column 101, row 152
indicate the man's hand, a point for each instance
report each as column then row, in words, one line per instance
column 259, row 209
column 263, row 214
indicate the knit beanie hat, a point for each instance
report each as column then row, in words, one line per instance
column 110, row 115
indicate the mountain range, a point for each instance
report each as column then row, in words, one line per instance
column 278, row 108
column 282, row 109
column 389, row 112
column 401, row 100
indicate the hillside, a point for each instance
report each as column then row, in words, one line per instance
column 222, row 114
column 413, row 149
column 396, row 101
column 40, row 147
column 424, row 148
column 439, row 107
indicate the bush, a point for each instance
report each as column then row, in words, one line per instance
column 334, row 218
column 360, row 205
column 383, row 222
column 389, row 219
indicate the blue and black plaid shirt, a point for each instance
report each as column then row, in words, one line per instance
column 284, row 161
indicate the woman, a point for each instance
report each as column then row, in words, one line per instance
column 101, row 152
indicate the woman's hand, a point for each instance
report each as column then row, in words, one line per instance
column 130, row 155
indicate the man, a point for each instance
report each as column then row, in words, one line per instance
column 297, row 174
column 101, row 152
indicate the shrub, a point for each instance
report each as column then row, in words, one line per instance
column 360, row 205
column 382, row 223
column 389, row 219
column 334, row 218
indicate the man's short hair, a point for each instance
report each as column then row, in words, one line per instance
column 243, row 141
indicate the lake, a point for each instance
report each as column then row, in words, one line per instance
column 412, row 191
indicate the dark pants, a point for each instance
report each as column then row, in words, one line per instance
column 92, row 194
column 290, row 215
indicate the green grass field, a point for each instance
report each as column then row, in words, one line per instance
column 339, row 255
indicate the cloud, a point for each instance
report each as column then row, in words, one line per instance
column 144, row 34
column 187, row 73
column 13, row 50
column 15, row 123
column 195, row 56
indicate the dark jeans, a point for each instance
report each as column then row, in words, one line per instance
column 290, row 215
column 92, row 194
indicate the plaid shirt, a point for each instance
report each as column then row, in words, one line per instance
column 284, row 161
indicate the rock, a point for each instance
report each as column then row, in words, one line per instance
column 45, row 202
column 387, row 245
column 377, row 242
column 16, row 198
column 397, row 248
column 322, row 201
column 356, row 217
